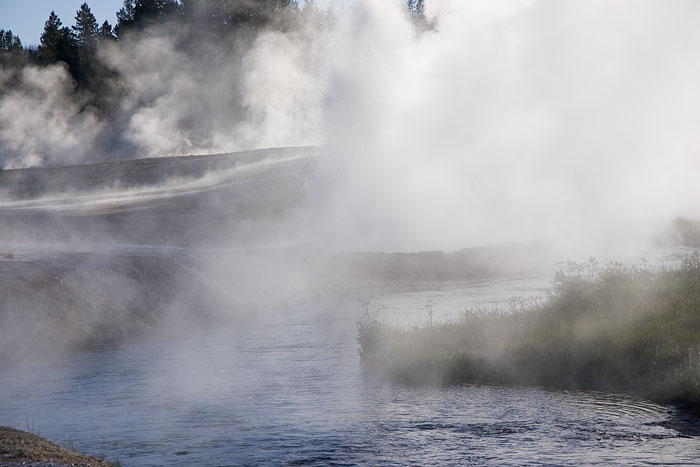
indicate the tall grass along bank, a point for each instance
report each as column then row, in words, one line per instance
column 615, row 327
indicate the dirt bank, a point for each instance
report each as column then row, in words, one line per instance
column 18, row 447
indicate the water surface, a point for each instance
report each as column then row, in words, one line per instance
column 285, row 387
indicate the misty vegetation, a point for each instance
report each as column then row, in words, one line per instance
column 613, row 327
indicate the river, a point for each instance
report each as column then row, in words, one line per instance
column 285, row 387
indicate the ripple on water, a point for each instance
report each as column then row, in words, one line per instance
column 218, row 400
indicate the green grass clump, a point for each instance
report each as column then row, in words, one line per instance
column 614, row 327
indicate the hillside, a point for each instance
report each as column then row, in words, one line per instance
column 189, row 200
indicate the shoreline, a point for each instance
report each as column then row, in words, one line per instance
column 607, row 328
column 18, row 447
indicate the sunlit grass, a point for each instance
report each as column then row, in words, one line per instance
column 614, row 327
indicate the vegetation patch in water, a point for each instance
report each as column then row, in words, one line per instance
column 614, row 327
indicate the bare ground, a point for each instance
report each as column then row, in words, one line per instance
column 19, row 447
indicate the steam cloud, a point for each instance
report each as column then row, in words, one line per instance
column 218, row 102
column 39, row 123
column 221, row 97
column 501, row 120
column 564, row 121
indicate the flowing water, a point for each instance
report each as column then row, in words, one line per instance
column 285, row 387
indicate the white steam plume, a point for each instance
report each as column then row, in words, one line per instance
column 170, row 100
column 572, row 121
column 222, row 99
column 41, row 120
column 569, row 121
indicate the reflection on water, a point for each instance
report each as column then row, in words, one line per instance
column 287, row 388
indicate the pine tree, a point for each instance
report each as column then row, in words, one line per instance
column 58, row 43
column 141, row 13
column 9, row 42
column 125, row 18
column 86, row 28
column 147, row 10
column 50, row 39
column 67, row 51
column 106, row 32
column 416, row 9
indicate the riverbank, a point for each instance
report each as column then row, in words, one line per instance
column 61, row 298
column 19, row 447
column 633, row 329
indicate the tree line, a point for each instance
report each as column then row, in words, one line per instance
column 77, row 45
column 197, row 21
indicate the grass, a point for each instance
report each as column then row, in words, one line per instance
column 68, row 445
column 7, row 255
column 607, row 327
column 22, row 447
